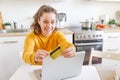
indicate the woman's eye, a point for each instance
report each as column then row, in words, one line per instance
column 52, row 22
column 45, row 22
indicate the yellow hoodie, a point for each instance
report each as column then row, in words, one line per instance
column 34, row 42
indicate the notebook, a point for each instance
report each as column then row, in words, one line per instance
column 61, row 68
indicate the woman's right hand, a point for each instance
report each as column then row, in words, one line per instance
column 40, row 54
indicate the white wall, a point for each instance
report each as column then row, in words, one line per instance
column 22, row 11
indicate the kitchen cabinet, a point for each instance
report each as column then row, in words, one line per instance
column 9, row 57
column 111, row 44
column 69, row 37
column 68, row 34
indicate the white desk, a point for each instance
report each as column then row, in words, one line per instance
column 107, row 71
column 25, row 72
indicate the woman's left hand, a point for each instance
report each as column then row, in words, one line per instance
column 68, row 53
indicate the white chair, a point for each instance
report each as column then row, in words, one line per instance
column 107, row 71
column 101, row 54
column 117, row 74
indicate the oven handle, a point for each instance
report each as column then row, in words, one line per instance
column 79, row 44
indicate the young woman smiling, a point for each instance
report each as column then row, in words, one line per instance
column 45, row 37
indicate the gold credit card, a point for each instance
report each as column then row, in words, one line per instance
column 55, row 53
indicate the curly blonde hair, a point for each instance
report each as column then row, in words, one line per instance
column 43, row 9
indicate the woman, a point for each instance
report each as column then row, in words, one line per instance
column 45, row 38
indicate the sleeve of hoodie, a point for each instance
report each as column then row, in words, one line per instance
column 64, row 43
column 29, row 51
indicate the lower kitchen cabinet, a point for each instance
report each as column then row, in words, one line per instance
column 9, row 57
column 69, row 37
column 111, row 44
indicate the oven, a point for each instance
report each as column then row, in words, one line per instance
column 85, row 40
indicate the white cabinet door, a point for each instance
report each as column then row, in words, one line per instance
column 111, row 44
column 21, row 40
column 9, row 57
column 9, row 60
column 69, row 37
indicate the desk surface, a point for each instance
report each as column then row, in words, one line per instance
column 107, row 71
column 25, row 72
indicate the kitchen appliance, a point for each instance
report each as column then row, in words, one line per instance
column 61, row 20
column 86, row 25
column 86, row 40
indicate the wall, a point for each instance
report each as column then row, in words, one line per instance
column 21, row 11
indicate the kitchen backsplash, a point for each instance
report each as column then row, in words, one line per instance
column 22, row 11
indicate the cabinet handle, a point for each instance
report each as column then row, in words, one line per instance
column 5, row 42
column 113, row 49
column 113, row 37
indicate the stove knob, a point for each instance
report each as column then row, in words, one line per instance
column 81, row 36
column 100, row 35
column 89, row 36
column 96, row 36
column 93, row 35
column 84, row 36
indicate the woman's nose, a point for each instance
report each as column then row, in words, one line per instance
column 49, row 25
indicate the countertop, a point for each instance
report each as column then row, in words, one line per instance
column 111, row 29
column 63, row 30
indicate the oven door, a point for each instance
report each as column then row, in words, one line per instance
column 87, row 48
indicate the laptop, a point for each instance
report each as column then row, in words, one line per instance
column 60, row 68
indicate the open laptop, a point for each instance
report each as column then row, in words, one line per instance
column 61, row 68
